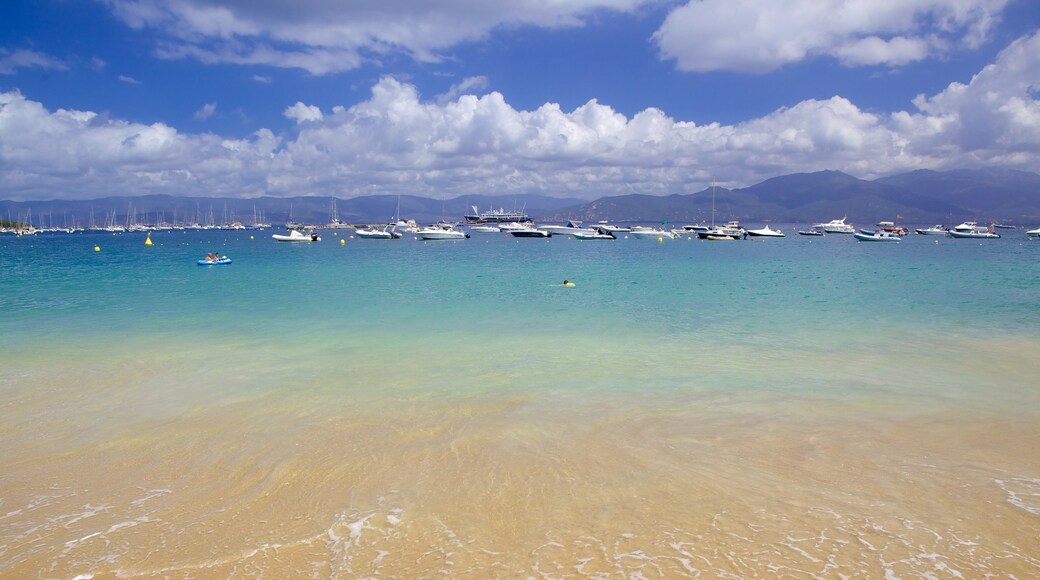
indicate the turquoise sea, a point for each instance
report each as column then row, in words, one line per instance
column 796, row 407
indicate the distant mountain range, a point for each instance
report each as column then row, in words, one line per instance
column 987, row 195
column 984, row 195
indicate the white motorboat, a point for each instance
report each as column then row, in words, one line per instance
column 297, row 236
column 617, row 231
column 598, row 235
column 877, row 236
column 487, row 229
column 649, row 233
column 835, row 227
column 730, row 231
column 530, row 233
column 936, row 230
column 441, row 231
column 510, row 226
column 973, row 230
column 690, row 230
column 765, row 232
column 1034, row 233
column 374, row 233
column 571, row 228
column 405, row 227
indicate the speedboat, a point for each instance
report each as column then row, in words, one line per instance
column 485, row 229
column 373, row 233
column 877, row 236
column 441, row 231
column 649, row 233
column 810, row 233
column 297, row 236
column 936, row 230
column 617, row 231
column 765, row 232
column 571, row 228
column 835, row 227
column 973, row 230
column 1034, row 233
column 530, row 232
column 598, row 235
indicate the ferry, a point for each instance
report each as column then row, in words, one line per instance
column 494, row 216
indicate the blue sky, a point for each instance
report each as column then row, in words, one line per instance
column 575, row 98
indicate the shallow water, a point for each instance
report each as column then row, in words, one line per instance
column 802, row 407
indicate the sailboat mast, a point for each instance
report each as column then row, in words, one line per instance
column 712, row 202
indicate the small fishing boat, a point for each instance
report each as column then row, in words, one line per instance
column 810, row 233
column 297, row 236
column 765, row 232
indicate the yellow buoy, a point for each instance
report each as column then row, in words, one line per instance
column 250, row 237
column 148, row 240
column 342, row 242
column 97, row 248
column 659, row 240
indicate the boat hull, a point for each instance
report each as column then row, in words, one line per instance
column 766, row 232
column 299, row 238
column 651, row 235
column 974, row 235
column 876, row 238
column 530, row 234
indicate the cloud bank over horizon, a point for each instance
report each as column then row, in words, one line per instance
column 397, row 142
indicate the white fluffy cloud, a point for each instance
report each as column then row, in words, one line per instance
column 302, row 113
column 763, row 35
column 323, row 36
column 394, row 142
